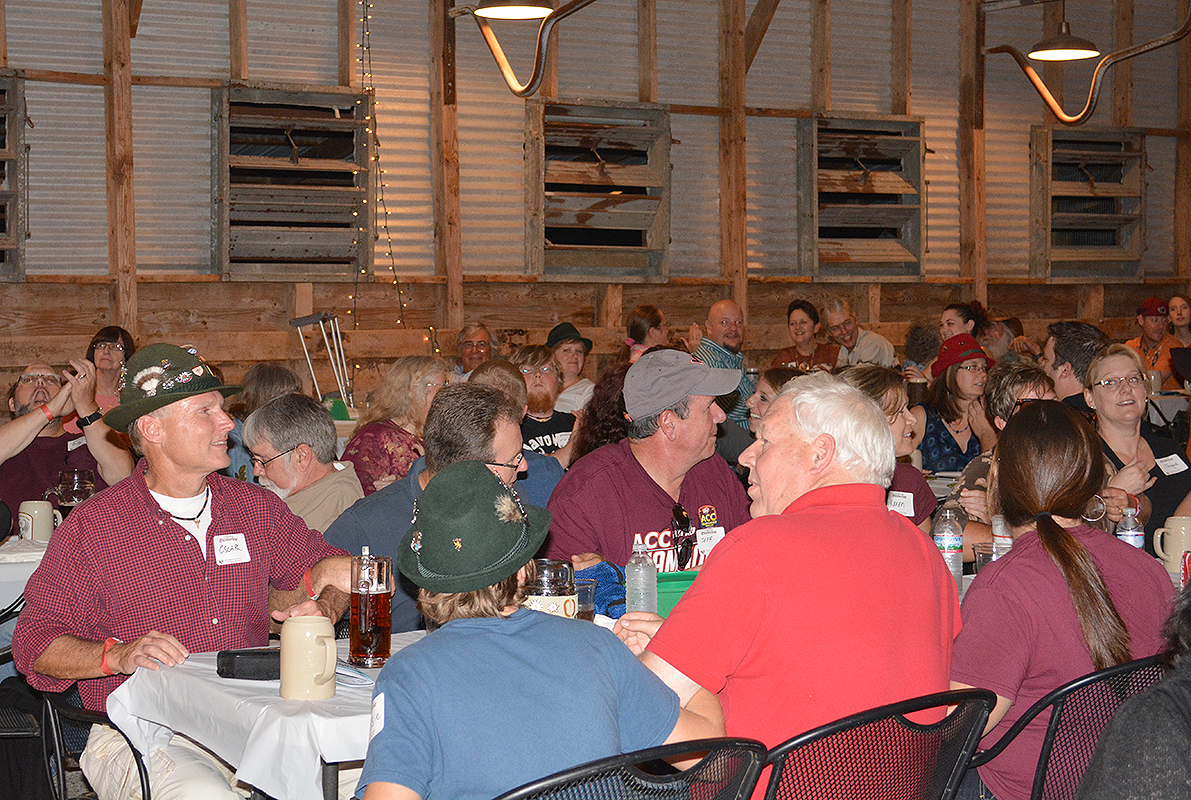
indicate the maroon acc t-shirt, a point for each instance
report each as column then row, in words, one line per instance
column 606, row 502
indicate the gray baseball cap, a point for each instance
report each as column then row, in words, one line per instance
column 660, row 379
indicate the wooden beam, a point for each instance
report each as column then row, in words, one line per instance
column 647, row 51
column 733, row 176
column 973, row 256
column 901, row 57
column 3, row 36
column 820, row 55
column 1182, row 161
column 237, row 17
column 754, row 32
column 117, row 104
column 1122, row 75
column 349, row 74
column 134, row 16
column 444, row 161
column 610, row 306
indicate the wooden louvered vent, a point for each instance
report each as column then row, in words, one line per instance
column 597, row 193
column 292, row 184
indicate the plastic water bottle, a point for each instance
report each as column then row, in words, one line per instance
column 641, row 581
column 1130, row 530
column 949, row 538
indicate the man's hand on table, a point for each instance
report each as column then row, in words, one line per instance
column 636, row 629
column 151, row 651
column 331, row 603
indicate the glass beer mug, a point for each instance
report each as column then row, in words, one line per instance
column 74, row 486
column 371, row 609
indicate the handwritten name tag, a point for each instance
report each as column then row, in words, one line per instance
column 902, row 503
column 707, row 538
column 230, row 548
column 1171, row 464
column 377, row 723
column 75, row 444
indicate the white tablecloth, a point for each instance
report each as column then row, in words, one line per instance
column 18, row 559
column 274, row 744
column 1171, row 403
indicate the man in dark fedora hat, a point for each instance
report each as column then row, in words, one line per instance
column 448, row 702
column 172, row 560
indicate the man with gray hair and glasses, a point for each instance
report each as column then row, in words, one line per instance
column 826, row 603
column 856, row 345
column 292, row 439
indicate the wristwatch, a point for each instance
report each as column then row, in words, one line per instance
column 91, row 418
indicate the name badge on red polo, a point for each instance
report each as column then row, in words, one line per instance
column 230, row 548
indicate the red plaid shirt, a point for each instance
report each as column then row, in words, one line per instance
column 121, row 566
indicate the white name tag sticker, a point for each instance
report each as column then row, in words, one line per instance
column 1171, row 464
column 75, row 444
column 230, row 548
column 902, row 503
column 377, row 723
column 707, row 538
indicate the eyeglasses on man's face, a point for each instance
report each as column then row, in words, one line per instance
column 515, row 464
column 48, row 378
column 263, row 462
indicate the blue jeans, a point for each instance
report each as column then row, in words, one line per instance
column 972, row 788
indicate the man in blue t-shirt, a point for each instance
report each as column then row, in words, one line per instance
column 449, row 710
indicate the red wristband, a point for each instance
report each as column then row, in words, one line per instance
column 1135, row 501
column 103, row 662
column 45, row 410
column 309, row 584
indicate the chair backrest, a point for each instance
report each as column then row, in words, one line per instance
column 1080, row 712
column 882, row 755
column 728, row 771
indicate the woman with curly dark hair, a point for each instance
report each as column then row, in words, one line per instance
column 602, row 421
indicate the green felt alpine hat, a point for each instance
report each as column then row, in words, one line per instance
column 469, row 532
column 158, row 375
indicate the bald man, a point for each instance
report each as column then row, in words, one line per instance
column 720, row 348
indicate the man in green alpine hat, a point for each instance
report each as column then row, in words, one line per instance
column 176, row 559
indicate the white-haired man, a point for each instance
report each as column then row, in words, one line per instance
column 826, row 603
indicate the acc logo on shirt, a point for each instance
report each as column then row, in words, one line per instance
column 707, row 517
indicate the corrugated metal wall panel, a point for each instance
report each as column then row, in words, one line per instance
column 399, row 37
column 54, row 34
column 491, row 143
column 1158, row 258
column 67, row 206
column 182, row 37
column 772, row 196
column 688, row 52
column 694, row 185
column 1155, row 75
column 293, row 41
column 860, row 63
column 597, row 52
column 780, row 75
column 172, row 183
column 935, row 96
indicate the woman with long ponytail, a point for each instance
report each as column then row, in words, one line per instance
column 1068, row 599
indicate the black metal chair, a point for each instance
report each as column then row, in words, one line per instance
column 728, row 771
column 65, row 724
column 882, row 755
column 1079, row 712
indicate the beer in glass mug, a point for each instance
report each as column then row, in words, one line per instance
column 371, row 609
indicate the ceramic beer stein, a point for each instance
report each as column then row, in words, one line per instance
column 307, row 658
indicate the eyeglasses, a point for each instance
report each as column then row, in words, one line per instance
column 263, row 462
column 49, row 379
column 1132, row 381
column 476, row 346
column 109, row 346
column 684, row 534
column 440, row 385
column 545, row 369
column 974, row 367
column 514, row 464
